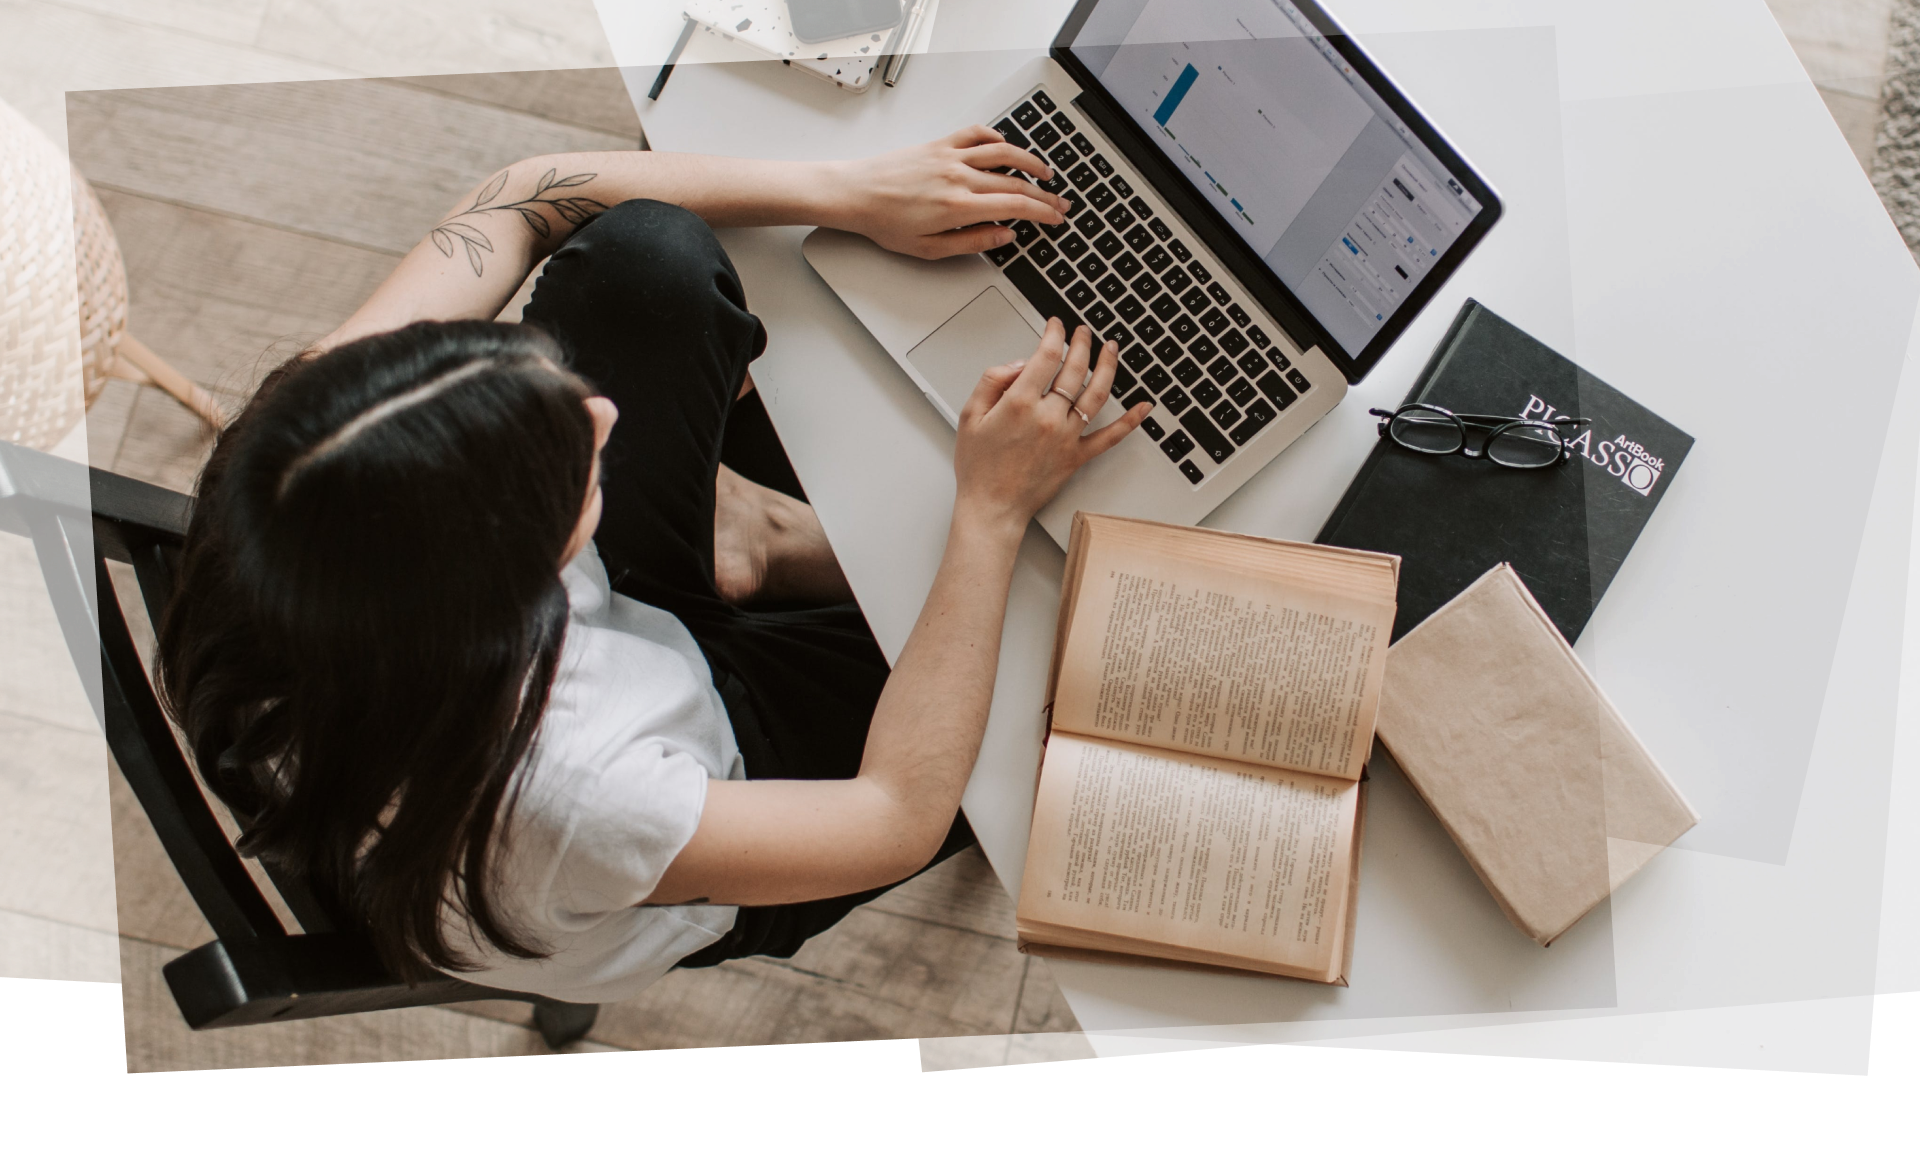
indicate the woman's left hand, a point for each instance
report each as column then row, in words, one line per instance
column 938, row 199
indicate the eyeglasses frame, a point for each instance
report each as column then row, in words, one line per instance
column 1492, row 425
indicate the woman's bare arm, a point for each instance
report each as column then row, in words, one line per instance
column 932, row 200
column 774, row 841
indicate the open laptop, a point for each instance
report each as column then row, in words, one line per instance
column 1257, row 214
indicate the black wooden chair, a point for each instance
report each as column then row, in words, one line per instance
column 256, row 971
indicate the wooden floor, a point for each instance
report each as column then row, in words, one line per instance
column 1843, row 46
column 254, row 217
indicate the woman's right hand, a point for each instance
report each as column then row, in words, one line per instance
column 784, row 841
column 1025, row 429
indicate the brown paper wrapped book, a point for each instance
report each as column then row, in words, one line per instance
column 1212, row 700
column 1498, row 725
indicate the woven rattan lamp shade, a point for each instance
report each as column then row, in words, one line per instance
column 55, row 350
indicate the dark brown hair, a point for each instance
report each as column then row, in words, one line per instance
column 369, row 618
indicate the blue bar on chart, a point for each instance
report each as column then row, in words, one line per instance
column 1175, row 94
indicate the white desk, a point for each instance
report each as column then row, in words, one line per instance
column 1685, row 220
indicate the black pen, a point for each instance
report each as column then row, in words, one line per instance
column 666, row 70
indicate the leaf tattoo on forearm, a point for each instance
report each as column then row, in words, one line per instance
column 575, row 210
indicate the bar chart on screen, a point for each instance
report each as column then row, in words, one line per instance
column 1169, row 104
column 1175, row 94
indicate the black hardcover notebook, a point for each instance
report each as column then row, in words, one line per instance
column 1565, row 529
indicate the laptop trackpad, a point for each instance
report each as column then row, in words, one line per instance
column 984, row 333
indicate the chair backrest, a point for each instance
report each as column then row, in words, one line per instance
column 78, row 519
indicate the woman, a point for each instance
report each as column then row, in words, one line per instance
column 534, row 734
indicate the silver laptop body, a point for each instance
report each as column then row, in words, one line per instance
column 1235, row 359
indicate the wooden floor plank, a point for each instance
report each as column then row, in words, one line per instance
column 1859, row 121
column 167, row 444
column 366, row 162
column 548, row 58
column 1042, row 1008
column 1841, row 43
column 107, row 422
column 37, row 674
column 875, row 976
column 235, row 21
column 963, row 977
column 56, row 847
column 222, row 300
column 962, row 892
column 158, row 1040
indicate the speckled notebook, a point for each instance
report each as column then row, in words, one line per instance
column 850, row 61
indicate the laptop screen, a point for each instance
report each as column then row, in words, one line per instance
column 1294, row 149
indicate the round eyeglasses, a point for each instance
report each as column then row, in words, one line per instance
column 1505, row 441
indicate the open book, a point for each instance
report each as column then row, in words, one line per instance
column 1212, row 700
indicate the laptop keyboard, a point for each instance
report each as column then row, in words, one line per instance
column 1215, row 377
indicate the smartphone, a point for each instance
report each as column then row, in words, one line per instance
column 817, row 20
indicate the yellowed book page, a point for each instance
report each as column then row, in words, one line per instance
column 1175, row 654
column 1205, row 854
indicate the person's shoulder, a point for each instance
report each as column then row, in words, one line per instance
column 623, row 807
column 622, row 728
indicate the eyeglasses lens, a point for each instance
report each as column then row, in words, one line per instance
column 1426, row 432
column 1525, row 446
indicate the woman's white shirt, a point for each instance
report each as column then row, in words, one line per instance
column 632, row 733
